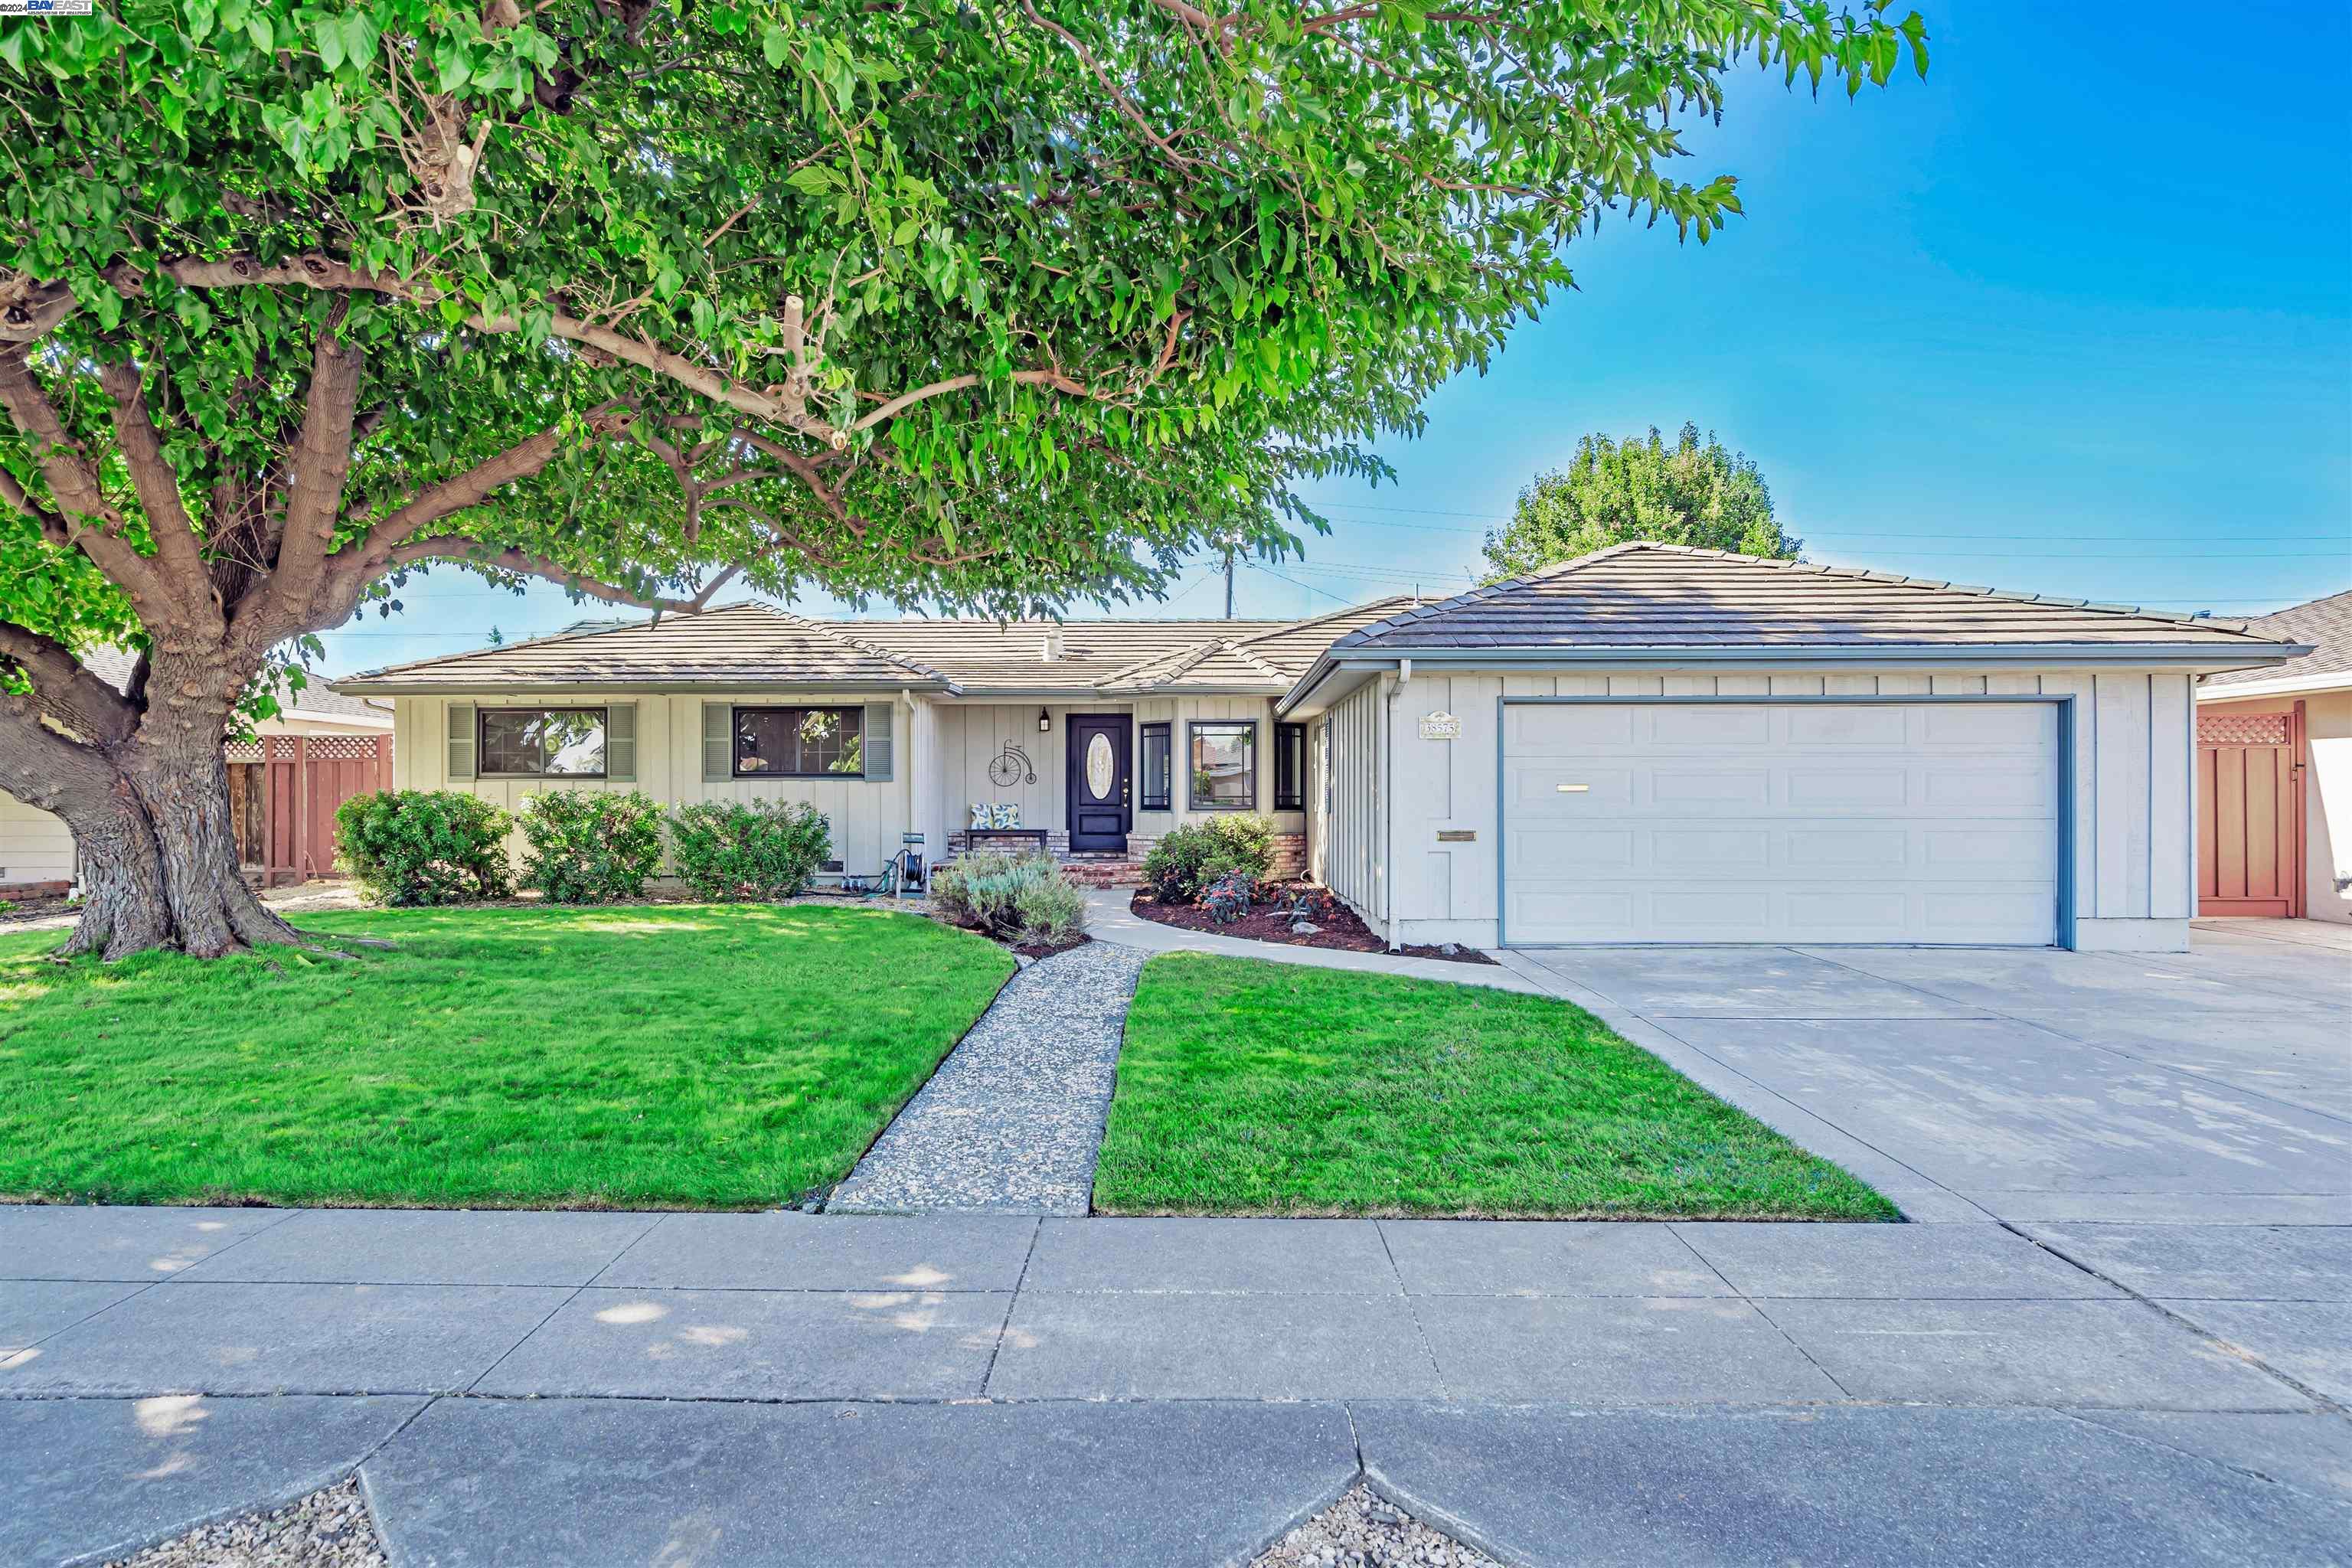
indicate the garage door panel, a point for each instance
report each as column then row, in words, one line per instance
column 1872, row 851
column 1820, row 788
column 1679, row 783
column 1988, row 787
column 2026, row 727
column 1722, row 849
column 1846, row 725
column 1550, row 851
column 1565, row 790
column 1827, row 823
column 1536, row 729
column 1707, row 726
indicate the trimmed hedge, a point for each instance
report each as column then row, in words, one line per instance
column 415, row 846
column 592, row 846
column 728, row 851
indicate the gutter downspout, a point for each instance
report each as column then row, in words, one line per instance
column 1389, row 800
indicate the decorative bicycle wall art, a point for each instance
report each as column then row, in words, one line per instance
column 1011, row 767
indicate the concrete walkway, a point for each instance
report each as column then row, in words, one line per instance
column 991, row 1389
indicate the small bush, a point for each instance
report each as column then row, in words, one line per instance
column 1187, row 859
column 1026, row 899
column 417, row 847
column 1229, row 897
column 727, row 851
column 588, row 847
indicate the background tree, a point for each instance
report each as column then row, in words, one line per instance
column 1695, row 492
column 992, row 304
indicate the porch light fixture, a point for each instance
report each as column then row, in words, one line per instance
column 1045, row 722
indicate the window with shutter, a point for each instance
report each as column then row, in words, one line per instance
column 878, row 742
column 461, row 741
column 718, row 743
column 620, row 742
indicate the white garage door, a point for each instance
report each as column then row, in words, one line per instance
column 1911, row 822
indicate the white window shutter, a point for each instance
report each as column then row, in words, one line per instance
column 621, row 743
column 461, row 741
column 878, row 742
column 718, row 742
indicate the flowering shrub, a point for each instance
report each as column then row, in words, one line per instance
column 1228, row 898
column 424, row 847
column 591, row 846
column 1186, row 859
column 1320, row 905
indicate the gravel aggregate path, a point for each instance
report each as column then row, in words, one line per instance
column 329, row 1528
column 1361, row 1530
column 1013, row 1120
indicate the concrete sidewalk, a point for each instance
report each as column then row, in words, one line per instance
column 1185, row 1389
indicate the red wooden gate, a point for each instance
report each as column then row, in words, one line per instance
column 303, row 779
column 2249, row 813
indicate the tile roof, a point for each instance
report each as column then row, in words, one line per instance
column 758, row 645
column 749, row 644
column 1648, row 595
column 2325, row 623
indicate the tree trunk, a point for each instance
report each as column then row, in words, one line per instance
column 124, row 908
column 209, row 908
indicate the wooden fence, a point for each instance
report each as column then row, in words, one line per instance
column 283, row 791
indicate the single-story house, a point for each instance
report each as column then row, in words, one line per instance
column 2274, row 774
column 1647, row 744
column 36, row 849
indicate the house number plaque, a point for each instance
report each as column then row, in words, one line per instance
column 1440, row 726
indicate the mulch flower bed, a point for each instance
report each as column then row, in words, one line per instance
column 1271, row 922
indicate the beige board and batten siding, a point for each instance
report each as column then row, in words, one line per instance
column 35, row 846
column 868, row 815
column 1354, row 851
column 2133, row 734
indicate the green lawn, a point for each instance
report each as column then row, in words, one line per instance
column 672, row 1056
column 1256, row 1088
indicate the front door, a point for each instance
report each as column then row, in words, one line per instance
column 1100, row 784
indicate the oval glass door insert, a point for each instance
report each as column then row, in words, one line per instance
column 1099, row 767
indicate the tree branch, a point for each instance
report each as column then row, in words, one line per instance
column 88, row 520
column 468, row 552
column 322, row 462
column 65, row 690
column 177, row 549
column 1059, row 381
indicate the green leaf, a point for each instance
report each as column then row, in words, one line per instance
column 772, row 45
column 327, row 37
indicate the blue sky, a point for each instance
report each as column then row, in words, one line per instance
column 2074, row 316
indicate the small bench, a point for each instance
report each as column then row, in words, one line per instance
column 1032, row 836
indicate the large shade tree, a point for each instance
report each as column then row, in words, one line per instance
column 1693, row 490
column 994, row 303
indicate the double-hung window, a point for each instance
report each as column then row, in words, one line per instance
column 800, row 743
column 541, row 742
column 1224, row 764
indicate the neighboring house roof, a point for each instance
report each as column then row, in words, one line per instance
column 758, row 646
column 316, row 699
column 1648, row 595
column 2325, row 623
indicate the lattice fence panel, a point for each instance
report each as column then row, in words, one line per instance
column 2242, row 728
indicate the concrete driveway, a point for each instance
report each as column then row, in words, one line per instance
column 2024, row 1085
